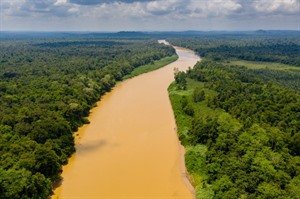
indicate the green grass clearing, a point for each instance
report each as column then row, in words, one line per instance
column 183, row 120
column 260, row 65
column 151, row 67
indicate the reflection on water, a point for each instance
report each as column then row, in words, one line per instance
column 130, row 149
column 91, row 146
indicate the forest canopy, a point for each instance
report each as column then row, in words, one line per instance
column 47, row 87
column 256, row 46
column 240, row 124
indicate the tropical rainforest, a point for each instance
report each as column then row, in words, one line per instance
column 47, row 87
column 237, row 111
column 281, row 47
column 238, row 115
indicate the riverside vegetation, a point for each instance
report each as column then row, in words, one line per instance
column 240, row 124
column 240, row 120
column 47, row 87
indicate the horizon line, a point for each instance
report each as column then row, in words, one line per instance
column 141, row 31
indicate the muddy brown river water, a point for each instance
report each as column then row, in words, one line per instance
column 130, row 150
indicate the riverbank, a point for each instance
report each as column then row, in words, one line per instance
column 151, row 67
column 194, row 156
column 127, row 150
column 228, row 139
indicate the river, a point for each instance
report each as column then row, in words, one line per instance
column 130, row 150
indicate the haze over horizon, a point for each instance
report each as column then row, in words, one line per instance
column 148, row 15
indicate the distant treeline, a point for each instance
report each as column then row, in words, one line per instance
column 243, row 140
column 47, row 88
column 281, row 48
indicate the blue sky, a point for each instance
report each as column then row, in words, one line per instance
column 148, row 15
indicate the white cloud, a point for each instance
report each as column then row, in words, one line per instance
column 213, row 8
column 99, row 2
column 146, row 14
column 163, row 6
column 277, row 6
column 60, row 2
column 5, row 4
column 131, row 10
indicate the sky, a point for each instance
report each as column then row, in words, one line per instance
column 148, row 15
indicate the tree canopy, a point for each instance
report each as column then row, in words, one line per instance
column 47, row 87
column 249, row 124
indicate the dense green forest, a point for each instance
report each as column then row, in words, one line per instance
column 47, row 87
column 241, row 129
column 238, row 118
column 257, row 46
